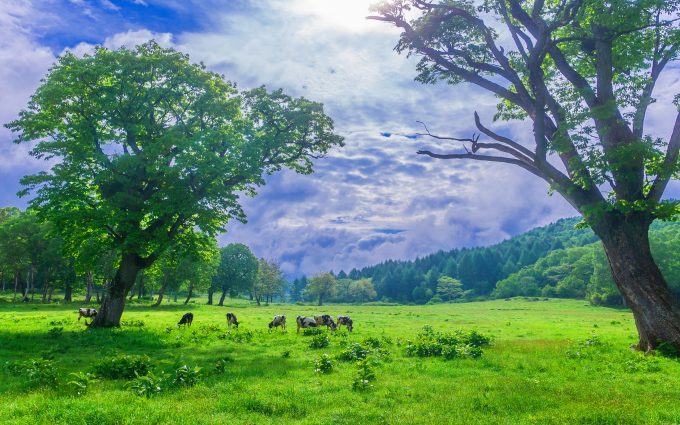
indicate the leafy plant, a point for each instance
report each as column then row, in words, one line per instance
column 312, row 331
column 147, row 385
column 450, row 345
column 40, row 372
column 221, row 364
column 320, row 341
column 55, row 332
column 186, row 377
column 123, row 366
column 364, row 376
column 323, row 364
column 80, row 382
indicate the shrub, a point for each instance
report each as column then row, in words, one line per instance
column 365, row 375
column 449, row 345
column 133, row 323
column 285, row 354
column 40, row 372
column 147, row 385
column 81, row 381
column 123, row 366
column 55, row 332
column 312, row 331
column 186, row 377
column 642, row 363
column 319, row 341
column 355, row 351
column 221, row 364
column 323, row 364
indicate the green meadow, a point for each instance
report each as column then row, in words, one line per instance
column 550, row 361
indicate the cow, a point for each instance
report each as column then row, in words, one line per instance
column 87, row 313
column 305, row 322
column 186, row 319
column 231, row 320
column 345, row 320
column 325, row 319
column 278, row 321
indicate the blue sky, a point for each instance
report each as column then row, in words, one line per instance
column 372, row 200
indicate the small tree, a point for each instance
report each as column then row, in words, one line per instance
column 236, row 272
column 362, row 290
column 150, row 146
column 269, row 281
column 449, row 288
column 321, row 286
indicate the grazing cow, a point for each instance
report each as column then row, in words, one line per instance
column 278, row 321
column 345, row 320
column 186, row 319
column 87, row 312
column 231, row 320
column 305, row 322
column 325, row 319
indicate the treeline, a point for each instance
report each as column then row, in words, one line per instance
column 558, row 260
column 36, row 263
column 478, row 269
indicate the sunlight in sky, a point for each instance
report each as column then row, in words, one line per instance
column 347, row 15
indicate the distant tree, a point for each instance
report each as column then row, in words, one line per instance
column 149, row 146
column 322, row 285
column 237, row 271
column 449, row 289
column 269, row 281
column 297, row 289
column 361, row 290
column 582, row 74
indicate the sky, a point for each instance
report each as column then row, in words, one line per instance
column 373, row 199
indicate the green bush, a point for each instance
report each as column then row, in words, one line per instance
column 319, row 341
column 123, row 366
column 55, row 332
column 323, row 364
column 365, row 375
column 186, row 377
column 40, row 373
column 147, row 385
column 80, row 382
column 312, row 331
column 450, row 345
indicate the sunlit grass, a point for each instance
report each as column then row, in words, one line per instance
column 538, row 369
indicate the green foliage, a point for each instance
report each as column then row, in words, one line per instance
column 40, row 372
column 237, row 270
column 313, row 332
column 323, row 364
column 365, row 375
column 450, row 345
column 184, row 376
column 148, row 385
column 320, row 341
column 123, row 366
column 80, row 382
column 321, row 286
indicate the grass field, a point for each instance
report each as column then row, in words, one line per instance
column 544, row 366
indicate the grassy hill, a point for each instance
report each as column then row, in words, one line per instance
column 550, row 362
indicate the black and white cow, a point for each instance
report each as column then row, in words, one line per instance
column 305, row 322
column 325, row 319
column 278, row 321
column 345, row 320
column 87, row 313
column 186, row 319
column 231, row 320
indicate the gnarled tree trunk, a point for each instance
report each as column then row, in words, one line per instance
column 211, row 291
column 161, row 292
column 223, row 296
column 113, row 303
column 643, row 287
column 191, row 292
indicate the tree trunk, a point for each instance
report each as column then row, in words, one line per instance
column 140, row 287
column 113, row 303
column 210, row 295
column 224, row 294
column 191, row 291
column 44, row 292
column 49, row 294
column 16, row 286
column 643, row 287
column 161, row 292
column 90, row 284
column 320, row 299
column 68, row 293
column 174, row 296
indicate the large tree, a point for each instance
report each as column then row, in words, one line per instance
column 582, row 74
column 149, row 146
